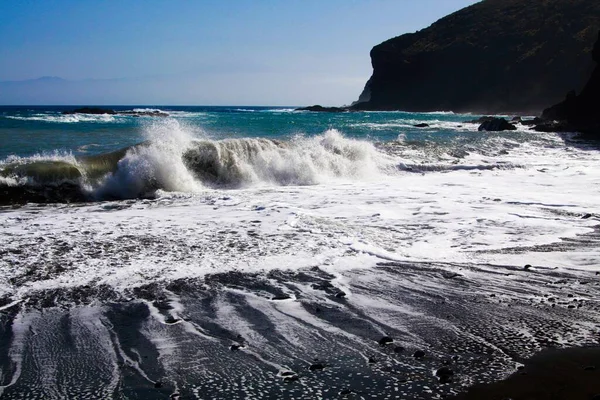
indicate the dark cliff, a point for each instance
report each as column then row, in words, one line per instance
column 581, row 112
column 494, row 56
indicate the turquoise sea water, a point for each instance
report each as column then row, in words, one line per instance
column 25, row 131
column 49, row 156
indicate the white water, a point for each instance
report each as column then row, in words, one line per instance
column 458, row 216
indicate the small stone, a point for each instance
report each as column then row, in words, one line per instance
column 287, row 373
column 341, row 294
column 444, row 371
column 385, row 340
column 419, row 354
column 281, row 297
column 235, row 347
column 316, row 367
column 422, row 125
column 586, row 216
column 290, row 378
column 158, row 384
column 170, row 320
column 527, row 266
column 372, row 360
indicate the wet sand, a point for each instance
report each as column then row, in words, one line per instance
column 567, row 374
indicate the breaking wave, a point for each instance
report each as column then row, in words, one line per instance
column 172, row 160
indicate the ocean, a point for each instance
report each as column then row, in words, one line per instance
column 259, row 252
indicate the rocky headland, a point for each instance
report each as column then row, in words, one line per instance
column 578, row 113
column 496, row 56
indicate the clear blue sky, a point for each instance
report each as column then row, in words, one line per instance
column 204, row 52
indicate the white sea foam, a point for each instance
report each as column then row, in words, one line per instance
column 67, row 118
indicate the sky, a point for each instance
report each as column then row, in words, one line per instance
column 210, row 52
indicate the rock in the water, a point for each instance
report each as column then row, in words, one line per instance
column 496, row 125
column 398, row 349
column 318, row 108
column 91, row 110
column 586, row 216
column 385, row 340
column 158, row 384
column 236, row 346
column 422, row 125
column 341, row 294
column 527, row 266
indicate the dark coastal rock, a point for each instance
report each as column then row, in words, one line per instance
column 91, row 110
column 502, row 56
column 340, row 295
column 497, row 125
column 158, row 384
column 480, row 120
column 422, row 125
column 527, row 266
column 530, row 122
column 106, row 111
column 577, row 113
column 318, row 108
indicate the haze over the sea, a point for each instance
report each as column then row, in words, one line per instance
column 178, row 52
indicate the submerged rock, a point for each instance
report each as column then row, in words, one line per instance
column 422, row 125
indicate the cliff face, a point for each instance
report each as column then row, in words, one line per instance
column 581, row 112
column 494, row 56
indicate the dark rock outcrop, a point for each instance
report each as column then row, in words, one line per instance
column 496, row 125
column 106, row 111
column 577, row 113
column 91, row 110
column 318, row 108
column 496, row 56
